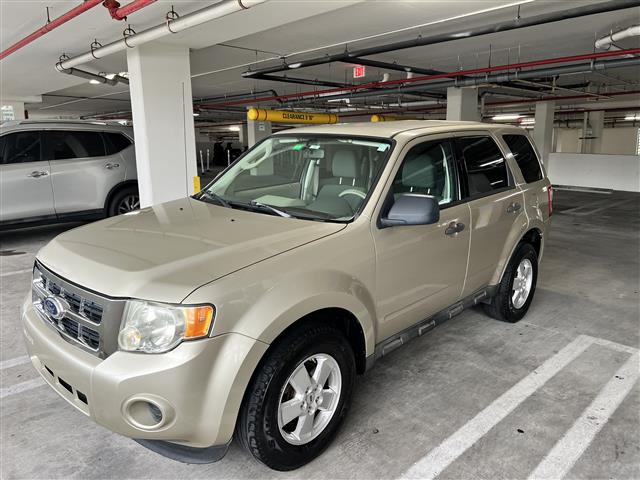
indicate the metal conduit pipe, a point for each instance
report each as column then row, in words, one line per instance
column 608, row 42
column 586, row 67
column 94, row 76
column 193, row 19
column 514, row 24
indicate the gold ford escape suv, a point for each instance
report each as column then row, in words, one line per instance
column 249, row 308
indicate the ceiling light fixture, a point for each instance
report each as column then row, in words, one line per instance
column 507, row 117
column 93, row 81
column 632, row 117
column 234, row 128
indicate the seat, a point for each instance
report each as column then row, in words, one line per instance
column 423, row 174
column 344, row 167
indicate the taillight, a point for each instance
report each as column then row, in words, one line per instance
column 550, row 198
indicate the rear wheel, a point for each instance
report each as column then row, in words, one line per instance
column 515, row 291
column 298, row 397
column 124, row 201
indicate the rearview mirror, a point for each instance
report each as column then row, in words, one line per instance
column 412, row 209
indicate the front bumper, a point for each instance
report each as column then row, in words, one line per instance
column 198, row 386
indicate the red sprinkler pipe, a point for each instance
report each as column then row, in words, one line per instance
column 427, row 78
column 55, row 23
column 120, row 13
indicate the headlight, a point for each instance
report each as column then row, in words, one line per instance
column 155, row 327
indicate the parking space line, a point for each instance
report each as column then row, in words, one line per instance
column 453, row 447
column 21, row 387
column 15, row 272
column 14, row 362
column 563, row 456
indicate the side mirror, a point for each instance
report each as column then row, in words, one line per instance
column 412, row 209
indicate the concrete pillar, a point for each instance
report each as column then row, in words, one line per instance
column 462, row 104
column 244, row 136
column 596, row 121
column 162, row 107
column 543, row 130
column 256, row 131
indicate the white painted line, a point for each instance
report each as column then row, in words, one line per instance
column 583, row 189
column 21, row 387
column 563, row 456
column 448, row 451
column 14, row 362
column 16, row 272
column 614, row 345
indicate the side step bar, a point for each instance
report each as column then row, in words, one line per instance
column 420, row 328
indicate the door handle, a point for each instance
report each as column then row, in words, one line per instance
column 454, row 228
column 514, row 207
column 37, row 174
column 111, row 166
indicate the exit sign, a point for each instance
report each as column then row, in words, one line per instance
column 359, row 71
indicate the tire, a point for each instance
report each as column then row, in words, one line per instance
column 506, row 305
column 259, row 430
column 124, row 200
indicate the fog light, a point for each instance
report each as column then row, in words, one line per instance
column 148, row 412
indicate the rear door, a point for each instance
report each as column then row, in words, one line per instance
column 420, row 269
column 81, row 173
column 25, row 179
column 496, row 206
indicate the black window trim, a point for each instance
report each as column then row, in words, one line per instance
column 465, row 175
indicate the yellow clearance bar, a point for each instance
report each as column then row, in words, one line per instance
column 286, row 116
column 385, row 118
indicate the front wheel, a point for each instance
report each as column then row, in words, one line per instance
column 516, row 289
column 298, row 397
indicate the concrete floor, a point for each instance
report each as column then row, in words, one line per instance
column 436, row 396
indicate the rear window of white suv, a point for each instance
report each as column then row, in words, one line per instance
column 525, row 156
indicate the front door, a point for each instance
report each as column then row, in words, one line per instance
column 420, row 270
column 25, row 179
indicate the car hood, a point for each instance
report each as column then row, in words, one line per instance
column 164, row 252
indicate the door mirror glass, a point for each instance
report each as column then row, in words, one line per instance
column 412, row 209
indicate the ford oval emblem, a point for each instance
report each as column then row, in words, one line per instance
column 56, row 307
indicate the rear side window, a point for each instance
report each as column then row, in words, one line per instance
column 63, row 145
column 115, row 142
column 484, row 163
column 20, row 147
column 525, row 156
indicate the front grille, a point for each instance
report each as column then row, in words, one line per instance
column 90, row 321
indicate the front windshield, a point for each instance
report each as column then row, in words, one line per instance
column 318, row 178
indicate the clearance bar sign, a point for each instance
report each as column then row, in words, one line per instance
column 286, row 116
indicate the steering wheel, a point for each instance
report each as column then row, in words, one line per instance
column 353, row 191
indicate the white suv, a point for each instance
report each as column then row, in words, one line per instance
column 65, row 170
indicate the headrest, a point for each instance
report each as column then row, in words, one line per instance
column 344, row 164
column 417, row 172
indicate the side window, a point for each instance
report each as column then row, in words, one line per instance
column 484, row 163
column 63, row 145
column 115, row 142
column 21, row 147
column 428, row 169
column 525, row 157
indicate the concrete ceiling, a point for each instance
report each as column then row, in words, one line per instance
column 222, row 50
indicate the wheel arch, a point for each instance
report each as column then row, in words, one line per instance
column 533, row 236
column 115, row 190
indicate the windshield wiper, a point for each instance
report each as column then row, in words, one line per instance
column 216, row 197
column 264, row 206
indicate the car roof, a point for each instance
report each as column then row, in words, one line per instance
column 21, row 125
column 392, row 128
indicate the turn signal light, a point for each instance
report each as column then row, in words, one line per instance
column 198, row 321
